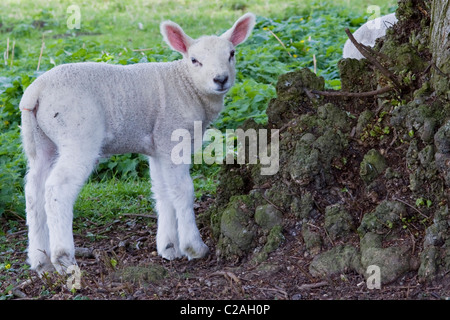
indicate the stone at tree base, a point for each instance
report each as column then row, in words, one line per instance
column 141, row 274
column 338, row 222
column 442, row 143
column 236, row 235
column 303, row 207
column 313, row 240
column 356, row 75
column 267, row 216
column 363, row 120
column 274, row 240
column 392, row 261
column 372, row 166
column 338, row 260
column 290, row 92
column 383, row 218
column 435, row 257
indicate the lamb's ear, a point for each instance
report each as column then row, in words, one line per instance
column 175, row 37
column 241, row 29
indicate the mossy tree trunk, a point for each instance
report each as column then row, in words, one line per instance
column 440, row 44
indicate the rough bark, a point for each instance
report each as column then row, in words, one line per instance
column 440, row 46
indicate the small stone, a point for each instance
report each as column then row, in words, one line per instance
column 236, row 236
column 338, row 222
column 383, row 218
column 372, row 166
column 363, row 120
column 267, row 216
column 297, row 296
column 392, row 261
column 274, row 239
column 313, row 241
column 442, row 138
column 338, row 260
column 144, row 273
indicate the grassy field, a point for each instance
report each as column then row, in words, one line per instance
column 34, row 37
column 118, row 24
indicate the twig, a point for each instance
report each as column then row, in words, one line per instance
column 7, row 51
column 278, row 290
column 353, row 94
column 40, row 55
column 329, row 238
column 226, row 274
column 412, row 207
column 443, row 74
column 12, row 52
column 117, row 288
column 425, row 13
column 281, row 42
column 308, row 286
column 140, row 50
column 310, row 96
column 312, row 225
column 315, row 63
column 284, row 127
column 277, row 207
column 306, row 273
column 376, row 53
column 231, row 277
column 151, row 216
column 12, row 234
column 372, row 60
column 15, row 214
column 17, row 290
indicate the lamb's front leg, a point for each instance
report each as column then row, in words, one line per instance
column 181, row 192
column 167, row 242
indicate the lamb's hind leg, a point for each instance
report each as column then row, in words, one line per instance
column 38, row 237
column 61, row 190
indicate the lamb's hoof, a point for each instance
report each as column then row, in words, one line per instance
column 196, row 253
column 44, row 268
column 170, row 252
column 62, row 262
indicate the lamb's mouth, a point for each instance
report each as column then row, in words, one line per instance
column 222, row 90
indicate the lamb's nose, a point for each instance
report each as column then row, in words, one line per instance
column 221, row 80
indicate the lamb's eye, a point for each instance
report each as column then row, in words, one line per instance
column 195, row 61
column 231, row 54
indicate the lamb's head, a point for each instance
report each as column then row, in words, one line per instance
column 210, row 59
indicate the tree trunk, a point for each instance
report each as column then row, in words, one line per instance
column 440, row 46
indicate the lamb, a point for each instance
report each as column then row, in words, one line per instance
column 367, row 34
column 76, row 113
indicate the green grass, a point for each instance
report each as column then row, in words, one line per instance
column 110, row 32
column 105, row 200
column 116, row 23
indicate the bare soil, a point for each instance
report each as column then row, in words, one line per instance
column 130, row 242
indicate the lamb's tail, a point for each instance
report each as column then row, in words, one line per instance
column 28, row 106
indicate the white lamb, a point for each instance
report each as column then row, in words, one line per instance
column 76, row 113
column 367, row 34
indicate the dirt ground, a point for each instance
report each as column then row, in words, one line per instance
column 125, row 266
